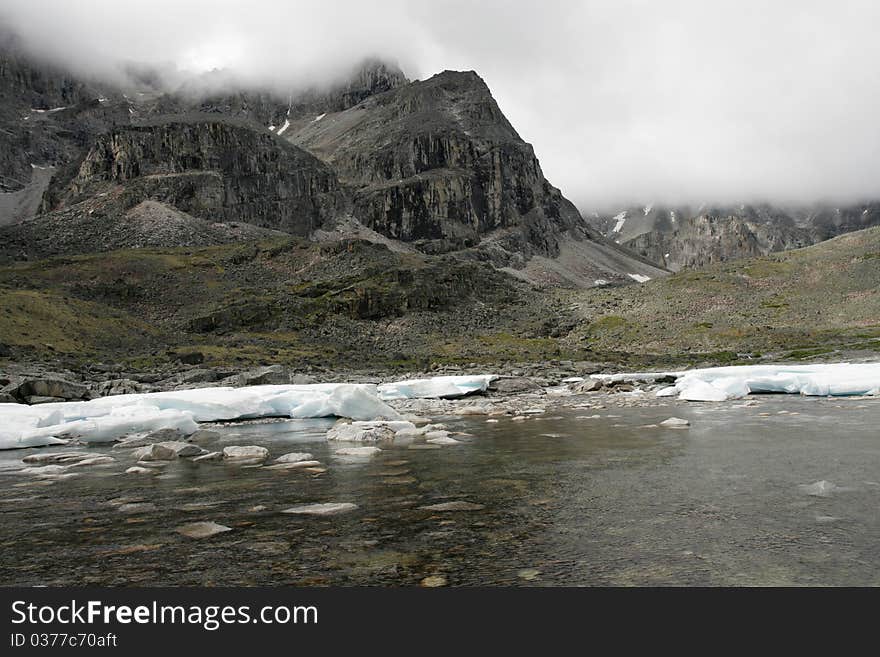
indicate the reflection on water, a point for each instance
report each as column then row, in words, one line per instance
column 567, row 501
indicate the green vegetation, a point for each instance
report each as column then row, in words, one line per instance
column 799, row 304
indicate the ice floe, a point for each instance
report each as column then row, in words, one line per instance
column 110, row 418
column 438, row 387
column 735, row 382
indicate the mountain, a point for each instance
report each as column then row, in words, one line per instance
column 798, row 304
column 686, row 237
column 432, row 166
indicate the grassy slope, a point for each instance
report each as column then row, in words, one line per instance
column 795, row 304
column 283, row 300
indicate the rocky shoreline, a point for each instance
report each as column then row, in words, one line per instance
column 38, row 384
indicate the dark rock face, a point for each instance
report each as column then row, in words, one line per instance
column 214, row 170
column 437, row 163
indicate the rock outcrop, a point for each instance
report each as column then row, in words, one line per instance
column 214, row 170
column 438, row 164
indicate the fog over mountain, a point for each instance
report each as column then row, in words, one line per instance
column 624, row 101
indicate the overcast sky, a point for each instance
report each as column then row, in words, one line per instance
column 624, row 100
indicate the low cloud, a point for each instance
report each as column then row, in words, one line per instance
column 624, row 101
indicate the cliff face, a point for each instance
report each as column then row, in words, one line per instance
column 212, row 170
column 47, row 117
column 437, row 163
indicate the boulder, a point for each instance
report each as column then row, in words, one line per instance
column 590, row 385
column 50, row 386
column 154, row 452
column 245, row 454
column 182, row 449
column 203, row 436
column 675, row 423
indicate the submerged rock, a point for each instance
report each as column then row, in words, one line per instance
column 322, row 509
column 362, row 432
column 202, row 529
column 55, row 457
column 293, row 465
column 245, row 454
column 137, row 469
column 675, row 423
column 820, row 488
column 210, row 456
column 458, row 505
column 293, row 457
column 358, row 451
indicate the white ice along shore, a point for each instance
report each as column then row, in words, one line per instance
column 109, row 418
column 735, row 382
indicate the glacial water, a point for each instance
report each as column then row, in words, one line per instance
column 566, row 500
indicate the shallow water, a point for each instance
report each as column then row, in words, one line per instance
column 567, row 501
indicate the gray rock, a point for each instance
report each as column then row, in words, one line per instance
column 154, row 452
column 50, row 387
column 590, row 385
column 182, row 449
column 293, row 457
column 161, row 435
column 137, row 469
column 204, row 436
column 675, row 423
column 358, row 451
column 91, row 461
column 296, row 465
column 54, row 457
column 245, row 453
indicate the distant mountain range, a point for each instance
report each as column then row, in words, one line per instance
column 683, row 236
